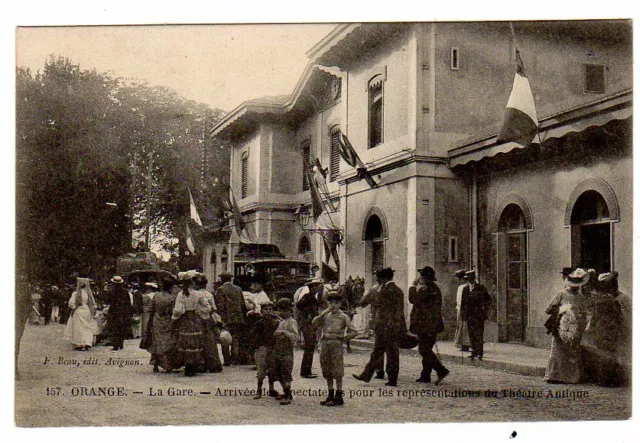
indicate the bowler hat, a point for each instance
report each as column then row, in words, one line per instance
column 428, row 272
column 385, row 273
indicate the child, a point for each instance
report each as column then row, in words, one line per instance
column 264, row 331
column 332, row 324
column 282, row 356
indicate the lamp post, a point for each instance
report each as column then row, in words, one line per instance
column 302, row 216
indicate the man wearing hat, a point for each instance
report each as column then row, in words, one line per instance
column 426, row 322
column 389, row 328
column 232, row 309
column 473, row 309
column 120, row 313
column 307, row 308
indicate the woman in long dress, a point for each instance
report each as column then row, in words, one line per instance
column 565, row 362
column 188, row 326
column 162, row 344
column 151, row 288
column 81, row 326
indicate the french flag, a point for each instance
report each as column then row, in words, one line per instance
column 520, row 120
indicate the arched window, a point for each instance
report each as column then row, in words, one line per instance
column 374, row 236
column 373, row 231
column 512, row 218
column 304, row 245
column 513, row 271
column 224, row 260
column 591, row 232
column 376, row 108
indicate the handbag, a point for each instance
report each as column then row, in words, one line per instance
column 553, row 322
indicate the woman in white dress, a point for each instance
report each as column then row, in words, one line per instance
column 81, row 326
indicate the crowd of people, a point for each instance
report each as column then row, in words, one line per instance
column 182, row 325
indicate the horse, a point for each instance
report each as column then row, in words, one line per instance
column 351, row 291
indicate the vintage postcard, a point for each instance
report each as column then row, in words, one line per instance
column 324, row 223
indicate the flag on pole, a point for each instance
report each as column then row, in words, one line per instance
column 520, row 123
column 316, row 200
column 349, row 155
column 191, row 243
column 243, row 231
column 237, row 215
column 194, row 211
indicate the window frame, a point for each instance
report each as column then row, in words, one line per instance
column 375, row 83
column 586, row 67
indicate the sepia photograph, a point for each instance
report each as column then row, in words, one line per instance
column 323, row 223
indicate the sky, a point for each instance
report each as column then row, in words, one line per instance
column 220, row 65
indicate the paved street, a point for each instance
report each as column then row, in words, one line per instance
column 65, row 392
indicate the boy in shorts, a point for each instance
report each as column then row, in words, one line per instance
column 264, row 331
column 285, row 336
column 334, row 328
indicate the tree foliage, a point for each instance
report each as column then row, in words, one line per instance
column 84, row 139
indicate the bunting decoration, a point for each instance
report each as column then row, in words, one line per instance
column 520, row 123
column 349, row 155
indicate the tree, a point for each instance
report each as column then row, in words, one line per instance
column 85, row 138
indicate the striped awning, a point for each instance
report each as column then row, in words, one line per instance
column 615, row 107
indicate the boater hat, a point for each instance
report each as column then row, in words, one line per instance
column 578, row 278
column 314, row 281
column 117, row 280
column 470, row 274
column 459, row 273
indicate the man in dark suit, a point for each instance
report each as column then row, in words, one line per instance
column 426, row 322
column 232, row 309
column 307, row 308
column 473, row 309
column 390, row 326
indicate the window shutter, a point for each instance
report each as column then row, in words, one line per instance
column 334, row 167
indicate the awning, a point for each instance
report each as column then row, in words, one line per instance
column 615, row 107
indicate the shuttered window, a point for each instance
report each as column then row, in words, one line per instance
column 334, row 167
column 306, row 158
column 244, row 172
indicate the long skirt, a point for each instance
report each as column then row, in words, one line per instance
column 190, row 340
column 565, row 362
column 211, row 357
column 461, row 339
column 81, row 327
column 163, row 345
column 361, row 321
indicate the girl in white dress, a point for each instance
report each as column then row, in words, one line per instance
column 82, row 326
